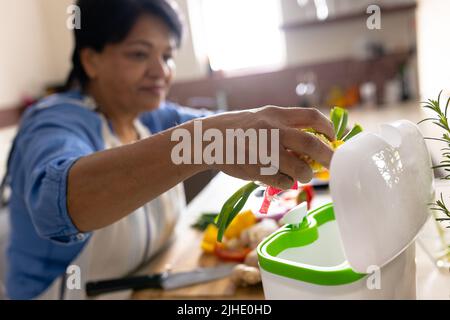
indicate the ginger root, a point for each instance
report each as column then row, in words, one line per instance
column 251, row 259
column 252, row 236
column 244, row 275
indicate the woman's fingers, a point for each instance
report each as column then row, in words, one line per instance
column 279, row 180
column 301, row 118
column 307, row 144
column 288, row 121
column 293, row 166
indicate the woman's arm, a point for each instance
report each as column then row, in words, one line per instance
column 106, row 186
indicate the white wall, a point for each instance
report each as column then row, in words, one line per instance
column 24, row 62
column 36, row 48
column 59, row 36
column 433, row 47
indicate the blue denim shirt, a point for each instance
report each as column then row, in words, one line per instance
column 53, row 134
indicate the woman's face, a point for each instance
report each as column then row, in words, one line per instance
column 135, row 74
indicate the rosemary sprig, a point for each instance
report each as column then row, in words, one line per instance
column 440, row 206
column 440, row 119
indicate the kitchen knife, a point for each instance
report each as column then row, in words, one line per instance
column 166, row 280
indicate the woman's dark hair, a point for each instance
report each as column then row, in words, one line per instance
column 109, row 21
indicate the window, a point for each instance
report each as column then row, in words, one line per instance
column 238, row 34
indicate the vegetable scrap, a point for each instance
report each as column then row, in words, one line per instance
column 339, row 119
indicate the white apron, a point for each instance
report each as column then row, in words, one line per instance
column 126, row 245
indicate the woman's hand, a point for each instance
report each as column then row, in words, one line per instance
column 291, row 140
column 105, row 186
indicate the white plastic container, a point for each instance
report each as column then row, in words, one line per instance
column 362, row 245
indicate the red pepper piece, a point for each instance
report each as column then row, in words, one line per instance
column 235, row 255
column 269, row 195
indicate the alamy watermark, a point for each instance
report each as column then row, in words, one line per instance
column 374, row 20
column 373, row 281
column 240, row 147
column 73, row 277
column 74, row 19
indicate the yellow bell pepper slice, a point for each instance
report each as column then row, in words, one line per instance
column 209, row 238
column 243, row 220
column 320, row 172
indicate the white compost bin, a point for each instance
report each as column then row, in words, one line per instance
column 361, row 246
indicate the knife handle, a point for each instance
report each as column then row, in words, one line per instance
column 94, row 288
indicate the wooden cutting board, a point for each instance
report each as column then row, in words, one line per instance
column 184, row 254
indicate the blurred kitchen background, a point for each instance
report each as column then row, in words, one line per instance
column 248, row 53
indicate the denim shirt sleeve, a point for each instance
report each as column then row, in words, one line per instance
column 48, row 149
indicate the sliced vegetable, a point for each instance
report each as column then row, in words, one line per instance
column 342, row 126
column 339, row 119
column 209, row 238
column 204, row 220
column 336, row 144
column 355, row 130
column 269, row 194
column 232, row 207
column 208, row 247
column 306, row 194
column 226, row 254
column 313, row 164
column 242, row 221
column 336, row 115
column 323, row 175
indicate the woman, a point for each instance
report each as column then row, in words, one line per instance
column 92, row 181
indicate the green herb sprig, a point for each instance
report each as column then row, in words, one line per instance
column 439, row 205
column 204, row 220
column 441, row 120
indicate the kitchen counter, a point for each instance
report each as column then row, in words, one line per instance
column 185, row 254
